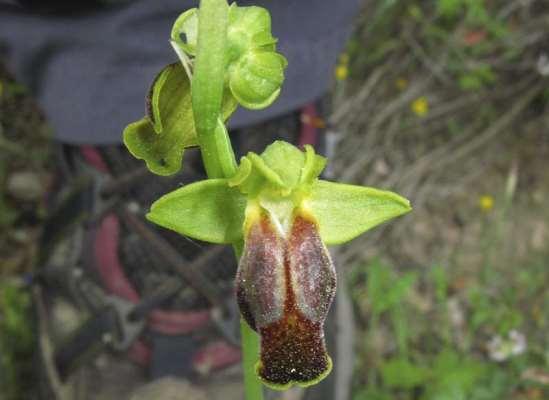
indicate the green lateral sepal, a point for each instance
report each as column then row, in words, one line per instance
column 345, row 211
column 207, row 210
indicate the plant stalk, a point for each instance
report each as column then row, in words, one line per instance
column 215, row 146
column 207, row 89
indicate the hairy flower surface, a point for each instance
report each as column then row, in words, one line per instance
column 284, row 215
column 285, row 284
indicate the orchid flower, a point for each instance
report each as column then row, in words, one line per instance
column 285, row 216
column 273, row 208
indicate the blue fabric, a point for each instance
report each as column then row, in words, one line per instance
column 90, row 72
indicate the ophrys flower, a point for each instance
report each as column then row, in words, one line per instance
column 285, row 217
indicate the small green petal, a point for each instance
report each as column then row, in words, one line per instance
column 187, row 24
column 207, row 210
column 314, row 164
column 280, row 171
column 345, row 211
column 245, row 24
column 243, row 171
column 286, row 160
column 268, row 173
column 264, row 40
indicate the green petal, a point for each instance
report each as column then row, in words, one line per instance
column 314, row 164
column 285, row 160
column 242, row 173
column 248, row 26
column 265, row 170
column 282, row 169
column 187, row 24
column 161, row 137
column 256, row 78
column 207, row 210
column 264, row 40
column 345, row 211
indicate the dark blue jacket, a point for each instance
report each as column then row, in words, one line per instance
column 91, row 71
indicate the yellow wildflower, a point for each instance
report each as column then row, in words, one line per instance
column 341, row 72
column 401, row 83
column 420, row 106
column 486, row 203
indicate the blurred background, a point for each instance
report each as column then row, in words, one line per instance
column 445, row 102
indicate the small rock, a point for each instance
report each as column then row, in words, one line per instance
column 25, row 186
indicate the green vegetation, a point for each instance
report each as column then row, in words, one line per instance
column 453, row 303
column 424, row 339
column 16, row 341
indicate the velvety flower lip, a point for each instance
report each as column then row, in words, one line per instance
column 285, row 285
column 285, row 216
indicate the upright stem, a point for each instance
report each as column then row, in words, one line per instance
column 207, row 88
column 215, row 145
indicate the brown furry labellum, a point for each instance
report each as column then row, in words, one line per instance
column 285, row 285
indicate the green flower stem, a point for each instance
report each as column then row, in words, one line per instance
column 215, row 145
column 253, row 389
column 207, row 89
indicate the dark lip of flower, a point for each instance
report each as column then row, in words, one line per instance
column 284, row 289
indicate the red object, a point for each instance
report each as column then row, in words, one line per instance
column 107, row 237
column 214, row 356
column 473, row 37
column 92, row 157
column 107, row 262
column 309, row 122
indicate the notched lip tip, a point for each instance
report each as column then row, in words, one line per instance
column 303, row 384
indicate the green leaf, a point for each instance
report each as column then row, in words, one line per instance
column 345, row 211
column 440, row 279
column 207, row 210
column 161, row 137
column 373, row 394
column 8, row 214
column 449, row 8
column 401, row 373
column 455, row 376
column 385, row 289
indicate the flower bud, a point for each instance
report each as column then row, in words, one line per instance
column 256, row 78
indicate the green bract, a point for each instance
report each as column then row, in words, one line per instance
column 280, row 180
column 161, row 136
